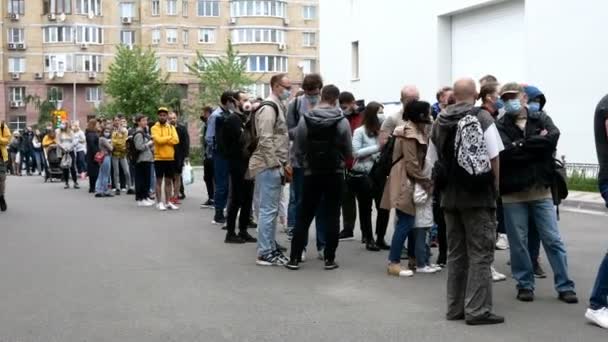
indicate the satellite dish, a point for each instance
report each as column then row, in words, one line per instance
column 62, row 17
column 91, row 15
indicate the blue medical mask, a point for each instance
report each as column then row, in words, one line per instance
column 513, row 106
column 534, row 107
column 285, row 95
column 500, row 104
column 313, row 100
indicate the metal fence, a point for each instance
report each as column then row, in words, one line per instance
column 583, row 170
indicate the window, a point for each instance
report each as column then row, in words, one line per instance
column 93, row 94
column 355, row 60
column 266, row 63
column 58, row 63
column 310, row 39
column 260, row 90
column 156, row 36
column 206, row 35
column 17, row 122
column 155, row 7
column 185, row 8
column 171, row 36
column 63, row 6
column 57, row 34
column 309, row 12
column 16, row 94
column 309, row 66
column 247, row 8
column 171, row 7
column 16, row 64
column 16, row 6
column 127, row 38
column 258, row 35
column 55, row 95
column 89, row 34
column 186, row 64
column 88, row 6
column 16, row 35
column 185, row 36
column 86, row 63
column 207, row 8
column 172, row 64
column 127, row 9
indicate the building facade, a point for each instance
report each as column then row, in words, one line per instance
column 61, row 49
column 550, row 44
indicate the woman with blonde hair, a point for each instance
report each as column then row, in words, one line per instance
column 67, row 142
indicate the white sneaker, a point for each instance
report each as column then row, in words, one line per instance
column 435, row 266
column 406, row 273
column 123, row 190
column 148, row 202
column 497, row 276
column 172, row 206
column 599, row 317
column 161, row 206
column 502, row 243
column 303, row 258
column 426, row 269
column 141, row 203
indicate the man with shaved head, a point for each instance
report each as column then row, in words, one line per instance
column 470, row 211
column 409, row 94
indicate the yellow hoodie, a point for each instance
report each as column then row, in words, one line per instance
column 165, row 138
column 5, row 139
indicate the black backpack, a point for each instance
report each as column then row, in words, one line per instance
column 132, row 152
column 322, row 152
column 250, row 134
column 384, row 164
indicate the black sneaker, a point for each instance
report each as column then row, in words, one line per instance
column 252, row 225
column 99, row 195
column 568, row 297
column 130, row 192
column 67, row 186
column 3, row 206
column 525, row 295
column 275, row 258
column 371, row 246
column 219, row 218
column 293, row 265
column 539, row 272
column 207, row 205
column 281, row 248
column 486, row 319
column 117, row 192
column 344, row 236
column 247, row 237
column 382, row 245
column 224, row 227
column 330, row 265
column 107, row 194
column 76, row 186
column 233, row 238
column 182, row 196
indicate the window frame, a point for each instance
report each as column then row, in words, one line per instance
column 251, row 32
column 22, row 64
column 50, row 34
column 172, row 64
column 98, row 94
column 214, row 6
column 280, row 64
column 185, row 8
column 201, row 34
column 155, row 8
column 263, row 8
column 94, row 63
column 156, row 32
column 21, row 35
column 126, row 4
column 307, row 42
column 171, row 38
column 185, row 36
column 309, row 12
column 19, row 4
column 15, row 92
column 94, row 6
column 167, row 9
column 85, row 34
column 17, row 122
column 131, row 33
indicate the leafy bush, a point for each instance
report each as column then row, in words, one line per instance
column 579, row 182
column 196, row 156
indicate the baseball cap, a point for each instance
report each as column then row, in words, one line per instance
column 511, row 88
column 162, row 109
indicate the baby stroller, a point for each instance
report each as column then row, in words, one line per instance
column 53, row 156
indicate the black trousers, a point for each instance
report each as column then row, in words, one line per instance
column 142, row 180
column 208, row 177
column 71, row 170
column 93, row 172
column 329, row 187
column 241, row 196
column 441, row 231
column 366, row 196
column 382, row 216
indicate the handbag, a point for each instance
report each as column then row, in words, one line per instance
column 99, row 157
column 559, row 187
column 66, row 161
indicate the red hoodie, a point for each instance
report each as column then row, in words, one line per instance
column 355, row 121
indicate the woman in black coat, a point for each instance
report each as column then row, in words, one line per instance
column 92, row 138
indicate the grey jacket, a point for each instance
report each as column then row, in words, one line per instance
column 296, row 109
column 105, row 145
column 326, row 116
column 141, row 139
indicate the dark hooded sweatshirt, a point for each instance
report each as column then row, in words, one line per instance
column 324, row 117
column 456, row 194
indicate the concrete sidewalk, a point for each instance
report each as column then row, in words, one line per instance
column 586, row 201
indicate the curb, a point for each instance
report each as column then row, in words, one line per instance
column 585, row 206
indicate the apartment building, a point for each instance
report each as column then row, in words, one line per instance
column 60, row 49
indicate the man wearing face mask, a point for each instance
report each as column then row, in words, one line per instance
column 207, row 157
column 312, row 85
column 527, row 169
column 267, row 167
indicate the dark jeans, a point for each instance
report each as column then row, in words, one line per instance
column 208, row 177
column 71, row 170
column 241, row 197
column 441, row 232
column 80, row 163
column 296, row 189
column 349, row 209
column 500, row 218
column 599, row 295
column 364, row 193
column 93, row 172
column 221, row 181
column 27, row 159
column 142, row 180
column 382, row 216
column 423, row 251
column 329, row 187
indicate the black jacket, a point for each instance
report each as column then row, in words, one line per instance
column 92, row 138
column 182, row 150
column 27, row 144
column 233, row 139
column 528, row 159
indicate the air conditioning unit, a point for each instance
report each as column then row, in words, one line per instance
column 20, row 104
column 21, row 46
column 286, row 21
column 52, row 75
column 92, row 75
column 52, row 17
column 14, row 16
column 14, row 104
column 232, row 21
column 282, row 47
column 84, row 46
column 15, row 76
column 38, row 76
column 12, row 46
column 127, row 20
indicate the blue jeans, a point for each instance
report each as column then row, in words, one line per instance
column 423, row 251
column 269, row 184
column 599, row 295
column 101, row 186
column 405, row 223
column 604, row 192
column 39, row 161
column 517, row 218
column 295, row 203
column 533, row 241
column 221, row 182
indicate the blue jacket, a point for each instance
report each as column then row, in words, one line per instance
column 210, row 134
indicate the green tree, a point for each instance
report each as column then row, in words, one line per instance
column 172, row 98
column 216, row 75
column 44, row 107
column 134, row 82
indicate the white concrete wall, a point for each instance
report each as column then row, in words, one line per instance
column 408, row 41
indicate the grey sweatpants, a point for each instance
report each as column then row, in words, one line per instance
column 471, row 234
column 124, row 164
column 2, row 176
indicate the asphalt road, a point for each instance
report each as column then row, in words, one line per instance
column 76, row 268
